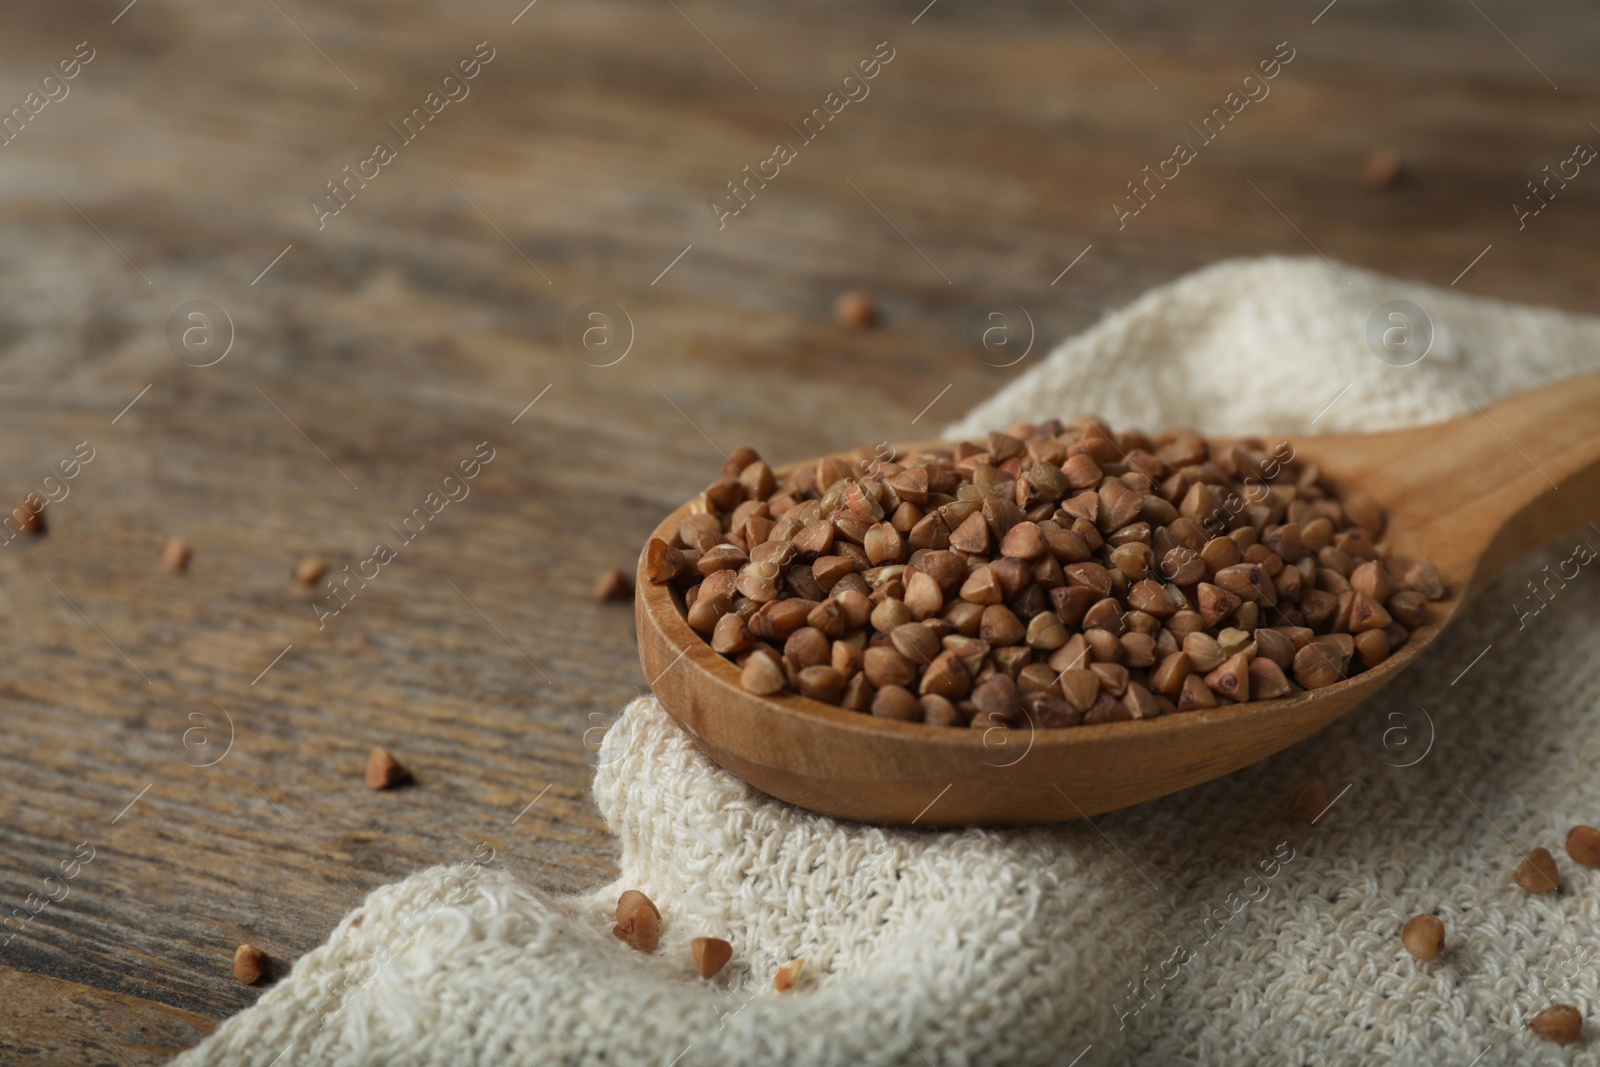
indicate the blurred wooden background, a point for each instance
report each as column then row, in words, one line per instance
column 426, row 316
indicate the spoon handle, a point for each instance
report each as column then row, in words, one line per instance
column 1476, row 493
column 1549, row 453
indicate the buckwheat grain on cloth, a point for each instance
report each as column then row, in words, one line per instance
column 1254, row 939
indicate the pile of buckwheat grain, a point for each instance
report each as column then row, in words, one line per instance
column 1053, row 575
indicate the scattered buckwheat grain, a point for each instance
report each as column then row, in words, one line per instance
column 1583, row 845
column 1384, row 168
column 249, row 964
column 856, row 310
column 787, row 975
column 384, row 771
column 29, row 516
column 175, row 557
column 310, row 570
column 638, row 921
column 1310, row 801
column 1423, row 937
column 1538, row 873
column 711, row 954
column 1561, row 1023
column 612, row 585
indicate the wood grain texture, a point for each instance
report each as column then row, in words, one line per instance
column 427, row 314
column 45, row 1022
column 1458, row 494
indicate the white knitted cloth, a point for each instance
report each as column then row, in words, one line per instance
column 1257, row 939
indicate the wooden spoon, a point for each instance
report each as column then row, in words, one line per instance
column 1471, row 495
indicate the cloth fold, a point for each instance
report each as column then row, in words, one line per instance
column 1205, row 927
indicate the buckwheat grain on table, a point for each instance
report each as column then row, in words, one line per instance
column 1053, row 575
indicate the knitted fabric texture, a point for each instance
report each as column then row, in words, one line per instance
column 1205, row 927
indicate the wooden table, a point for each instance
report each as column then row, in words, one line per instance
column 370, row 356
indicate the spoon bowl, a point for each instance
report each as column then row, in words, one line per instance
column 1471, row 495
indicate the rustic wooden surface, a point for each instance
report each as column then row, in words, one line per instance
column 433, row 309
column 43, row 1017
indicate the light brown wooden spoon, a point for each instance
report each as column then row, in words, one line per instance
column 1471, row 495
